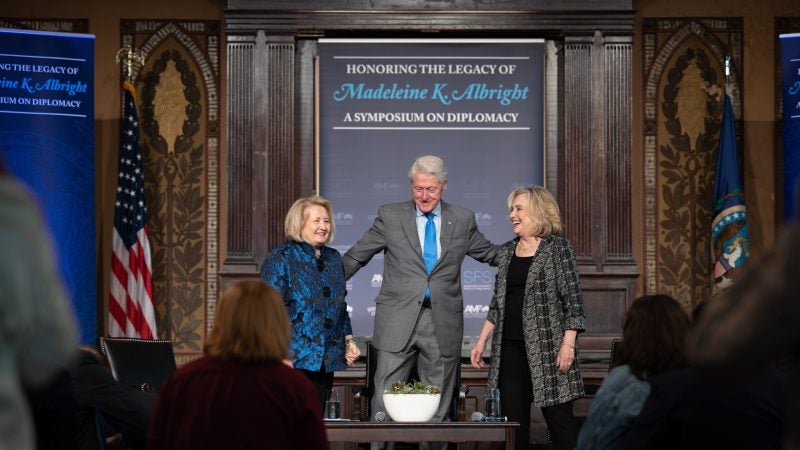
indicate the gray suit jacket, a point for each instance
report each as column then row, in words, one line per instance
column 404, row 279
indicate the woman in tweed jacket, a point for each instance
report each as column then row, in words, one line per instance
column 534, row 318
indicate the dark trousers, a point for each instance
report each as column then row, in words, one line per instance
column 516, row 396
column 323, row 384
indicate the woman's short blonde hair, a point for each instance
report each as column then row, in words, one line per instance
column 251, row 324
column 542, row 209
column 297, row 216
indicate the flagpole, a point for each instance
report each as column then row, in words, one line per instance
column 131, row 305
column 727, row 73
column 730, row 238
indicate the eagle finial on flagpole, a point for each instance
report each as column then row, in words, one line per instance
column 727, row 66
column 129, row 56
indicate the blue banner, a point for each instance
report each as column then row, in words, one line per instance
column 47, row 140
column 478, row 104
column 790, row 89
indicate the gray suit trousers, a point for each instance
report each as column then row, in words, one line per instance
column 433, row 368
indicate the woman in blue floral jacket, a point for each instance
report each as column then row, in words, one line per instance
column 309, row 276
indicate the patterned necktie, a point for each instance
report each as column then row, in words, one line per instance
column 429, row 250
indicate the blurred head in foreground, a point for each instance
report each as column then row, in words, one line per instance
column 250, row 325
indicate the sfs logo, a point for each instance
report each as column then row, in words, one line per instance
column 377, row 280
column 371, row 311
column 478, row 277
column 478, row 280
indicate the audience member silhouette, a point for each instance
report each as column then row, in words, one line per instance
column 684, row 412
column 53, row 407
column 240, row 394
column 653, row 341
column 120, row 409
column 37, row 328
column 753, row 324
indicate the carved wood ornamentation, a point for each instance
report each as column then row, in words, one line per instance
column 684, row 92
column 178, row 86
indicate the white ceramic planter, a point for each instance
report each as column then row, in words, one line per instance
column 411, row 407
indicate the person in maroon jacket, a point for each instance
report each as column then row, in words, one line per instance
column 240, row 394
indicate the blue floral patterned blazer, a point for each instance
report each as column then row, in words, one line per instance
column 313, row 291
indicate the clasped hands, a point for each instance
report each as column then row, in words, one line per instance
column 351, row 350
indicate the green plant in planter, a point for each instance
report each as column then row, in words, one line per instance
column 412, row 387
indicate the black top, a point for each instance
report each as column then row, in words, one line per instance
column 515, row 297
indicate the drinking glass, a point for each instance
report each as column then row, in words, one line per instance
column 333, row 407
column 492, row 402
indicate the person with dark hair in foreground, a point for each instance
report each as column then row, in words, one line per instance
column 653, row 340
column 241, row 394
column 754, row 323
column 682, row 411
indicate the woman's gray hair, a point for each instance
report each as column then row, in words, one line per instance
column 428, row 164
column 296, row 217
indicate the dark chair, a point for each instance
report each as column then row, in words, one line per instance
column 613, row 361
column 363, row 394
column 143, row 363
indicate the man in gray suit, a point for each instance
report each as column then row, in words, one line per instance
column 418, row 316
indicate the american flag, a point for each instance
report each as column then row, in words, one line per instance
column 130, row 302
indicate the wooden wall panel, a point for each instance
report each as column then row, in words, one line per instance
column 279, row 151
column 617, row 66
column 241, row 129
column 575, row 180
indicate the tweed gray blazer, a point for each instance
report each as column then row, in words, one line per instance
column 552, row 304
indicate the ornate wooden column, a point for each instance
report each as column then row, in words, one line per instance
column 262, row 157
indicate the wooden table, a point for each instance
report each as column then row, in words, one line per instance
column 458, row 432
